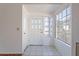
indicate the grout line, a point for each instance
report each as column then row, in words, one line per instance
column 36, row 45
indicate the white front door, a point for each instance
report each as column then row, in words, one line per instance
column 40, row 34
column 36, row 31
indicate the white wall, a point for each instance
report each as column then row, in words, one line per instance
column 25, row 33
column 10, row 20
column 75, row 27
column 75, row 21
column 52, row 41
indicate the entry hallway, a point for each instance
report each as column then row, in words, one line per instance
column 40, row 51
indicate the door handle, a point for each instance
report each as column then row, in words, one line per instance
column 41, row 32
column 24, row 33
column 18, row 28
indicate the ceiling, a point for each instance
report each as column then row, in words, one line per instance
column 42, row 8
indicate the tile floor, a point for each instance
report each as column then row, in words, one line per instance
column 40, row 51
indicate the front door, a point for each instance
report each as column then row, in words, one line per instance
column 40, row 31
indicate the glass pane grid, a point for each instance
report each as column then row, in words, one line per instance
column 63, row 25
column 64, row 13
